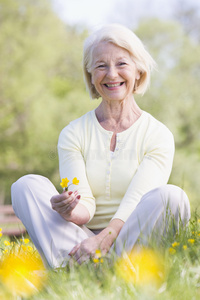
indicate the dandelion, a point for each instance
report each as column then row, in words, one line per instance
column 175, row 244
column 172, row 251
column 191, row 241
column 22, row 274
column 1, row 234
column 141, row 267
column 6, row 243
column 184, row 247
column 65, row 181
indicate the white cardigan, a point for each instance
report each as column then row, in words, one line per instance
column 112, row 185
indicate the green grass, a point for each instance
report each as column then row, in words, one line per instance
column 100, row 281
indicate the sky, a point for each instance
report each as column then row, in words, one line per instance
column 93, row 13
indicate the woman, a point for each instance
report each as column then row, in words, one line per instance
column 121, row 155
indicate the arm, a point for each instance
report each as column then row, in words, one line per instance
column 71, row 164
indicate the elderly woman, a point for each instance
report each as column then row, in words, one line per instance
column 121, row 155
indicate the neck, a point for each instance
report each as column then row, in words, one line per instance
column 118, row 116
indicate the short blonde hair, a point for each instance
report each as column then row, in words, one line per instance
column 123, row 37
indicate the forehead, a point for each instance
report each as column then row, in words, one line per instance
column 105, row 50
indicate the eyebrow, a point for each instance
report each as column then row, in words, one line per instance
column 102, row 61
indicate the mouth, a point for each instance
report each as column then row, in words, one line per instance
column 112, row 85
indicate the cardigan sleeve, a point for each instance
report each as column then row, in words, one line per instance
column 153, row 170
column 72, row 164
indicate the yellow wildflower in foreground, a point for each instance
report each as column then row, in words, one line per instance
column 191, row 241
column 175, row 244
column 184, row 247
column 98, row 257
column 172, row 251
column 6, row 243
column 141, row 267
column 22, row 274
column 1, row 234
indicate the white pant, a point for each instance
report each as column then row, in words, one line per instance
column 54, row 237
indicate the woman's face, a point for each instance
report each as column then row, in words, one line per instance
column 113, row 72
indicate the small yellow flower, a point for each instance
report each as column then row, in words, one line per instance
column 95, row 260
column 184, row 247
column 0, row 229
column 172, row 251
column 198, row 220
column 26, row 241
column 98, row 253
column 175, row 244
column 75, row 181
column 191, row 241
column 64, row 183
column 24, row 247
column 5, row 251
column 29, row 248
column 6, row 243
column 198, row 233
column 1, row 234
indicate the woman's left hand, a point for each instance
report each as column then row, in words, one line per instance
column 87, row 248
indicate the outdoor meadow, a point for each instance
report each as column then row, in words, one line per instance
column 41, row 91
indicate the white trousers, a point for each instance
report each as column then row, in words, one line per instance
column 54, row 237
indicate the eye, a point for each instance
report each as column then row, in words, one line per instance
column 101, row 66
column 122, row 63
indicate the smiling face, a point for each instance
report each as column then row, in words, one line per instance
column 113, row 72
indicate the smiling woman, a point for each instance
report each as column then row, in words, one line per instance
column 122, row 157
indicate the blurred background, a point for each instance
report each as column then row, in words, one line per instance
column 42, row 88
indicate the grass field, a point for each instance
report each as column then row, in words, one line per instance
column 170, row 270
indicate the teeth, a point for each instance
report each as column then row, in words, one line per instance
column 113, row 85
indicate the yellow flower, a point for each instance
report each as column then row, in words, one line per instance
column 98, row 257
column 172, row 251
column 5, row 251
column 141, row 267
column 184, row 247
column 1, row 234
column 191, row 241
column 98, row 253
column 0, row 229
column 26, row 241
column 175, row 244
column 198, row 220
column 29, row 248
column 198, row 233
column 75, row 181
column 6, row 243
column 22, row 274
column 64, row 183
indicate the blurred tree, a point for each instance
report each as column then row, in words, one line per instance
column 40, row 64
column 173, row 96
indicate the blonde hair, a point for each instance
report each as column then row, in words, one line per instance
column 123, row 37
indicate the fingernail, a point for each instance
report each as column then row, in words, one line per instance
column 70, row 193
column 78, row 197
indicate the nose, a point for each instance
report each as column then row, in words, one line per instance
column 112, row 72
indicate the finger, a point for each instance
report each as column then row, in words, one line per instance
column 74, row 250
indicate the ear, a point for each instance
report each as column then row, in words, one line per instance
column 138, row 74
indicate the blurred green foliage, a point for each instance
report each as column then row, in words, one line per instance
column 42, row 90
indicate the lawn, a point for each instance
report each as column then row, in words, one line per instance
column 170, row 270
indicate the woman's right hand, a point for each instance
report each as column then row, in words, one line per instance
column 65, row 203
